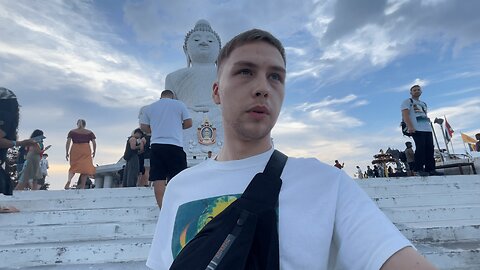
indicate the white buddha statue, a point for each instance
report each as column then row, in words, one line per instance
column 193, row 86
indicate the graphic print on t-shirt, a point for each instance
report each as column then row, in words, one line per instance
column 193, row 216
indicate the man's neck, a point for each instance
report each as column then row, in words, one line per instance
column 243, row 149
column 416, row 98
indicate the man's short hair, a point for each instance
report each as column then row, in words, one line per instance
column 250, row 36
column 416, row 85
column 167, row 93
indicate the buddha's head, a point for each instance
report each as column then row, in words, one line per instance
column 202, row 44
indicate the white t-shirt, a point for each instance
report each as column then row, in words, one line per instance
column 165, row 117
column 326, row 221
column 418, row 114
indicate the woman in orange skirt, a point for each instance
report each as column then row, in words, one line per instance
column 80, row 155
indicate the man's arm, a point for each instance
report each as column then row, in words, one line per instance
column 187, row 123
column 94, row 144
column 67, row 147
column 146, row 128
column 407, row 259
column 408, row 121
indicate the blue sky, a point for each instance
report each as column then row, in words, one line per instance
column 350, row 64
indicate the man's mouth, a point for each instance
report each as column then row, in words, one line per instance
column 258, row 112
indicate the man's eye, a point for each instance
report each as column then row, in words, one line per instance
column 245, row 72
column 276, row 76
column 196, row 39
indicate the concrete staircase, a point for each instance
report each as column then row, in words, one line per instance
column 78, row 229
column 111, row 229
column 440, row 215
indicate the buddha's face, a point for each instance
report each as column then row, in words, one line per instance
column 202, row 47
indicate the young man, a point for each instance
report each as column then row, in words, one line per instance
column 165, row 119
column 325, row 220
column 414, row 113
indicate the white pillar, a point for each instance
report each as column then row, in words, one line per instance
column 98, row 181
column 108, row 183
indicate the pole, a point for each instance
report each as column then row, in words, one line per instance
column 445, row 139
column 436, row 140
column 451, row 142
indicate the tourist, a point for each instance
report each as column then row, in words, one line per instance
column 410, row 158
column 209, row 155
column 165, row 119
column 134, row 146
column 414, row 114
column 44, row 166
column 31, row 172
column 477, row 144
column 390, row 171
column 80, row 155
column 9, row 118
column 144, row 161
column 359, row 173
column 338, row 165
column 370, row 172
column 325, row 220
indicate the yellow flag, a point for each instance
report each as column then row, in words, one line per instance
column 468, row 139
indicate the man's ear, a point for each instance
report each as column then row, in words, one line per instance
column 215, row 93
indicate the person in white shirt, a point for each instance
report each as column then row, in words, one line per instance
column 325, row 220
column 165, row 119
column 43, row 169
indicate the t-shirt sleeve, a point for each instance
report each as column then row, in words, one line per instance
column 405, row 104
column 92, row 136
column 143, row 116
column 70, row 134
column 364, row 236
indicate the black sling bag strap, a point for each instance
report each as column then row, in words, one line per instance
column 245, row 234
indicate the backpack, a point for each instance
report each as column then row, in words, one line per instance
column 245, row 234
column 403, row 125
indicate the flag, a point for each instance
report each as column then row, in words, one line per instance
column 448, row 131
column 468, row 139
column 471, row 147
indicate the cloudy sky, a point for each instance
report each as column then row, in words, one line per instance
column 350, row 64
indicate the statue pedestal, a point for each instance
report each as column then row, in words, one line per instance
column 206, row 134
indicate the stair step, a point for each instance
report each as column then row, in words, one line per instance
column 432, row 213
column 433, row 188
column 452, row 255
column 137, row 265
column 49, row 204
column 80, row 216
column 68, row 253
column 438, row 200
column 466, row 230
column 82, row 193
column 71, row 233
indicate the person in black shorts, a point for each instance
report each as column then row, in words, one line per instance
column 165, row 120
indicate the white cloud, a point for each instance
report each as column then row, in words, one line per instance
column 52, row 41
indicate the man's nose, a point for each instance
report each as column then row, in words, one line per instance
column 262, row 88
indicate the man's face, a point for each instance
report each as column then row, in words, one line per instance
column 416, row 92
column 250, row 90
